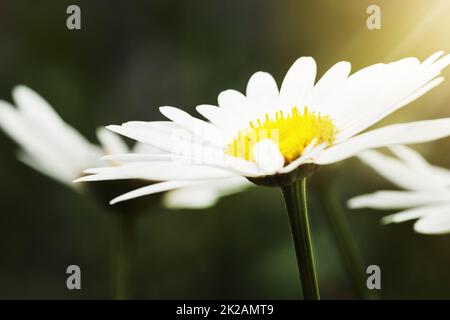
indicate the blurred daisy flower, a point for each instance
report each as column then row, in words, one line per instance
column 427, row 190
column 274, row 137
column 54, row 148
column 51, row 146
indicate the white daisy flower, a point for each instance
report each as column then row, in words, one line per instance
column 277, row 137
column 274, row 136
column 427, row 190
column 51, row 146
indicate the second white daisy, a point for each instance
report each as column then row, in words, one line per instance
column 426, row 196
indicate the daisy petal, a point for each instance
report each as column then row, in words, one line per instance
column 200, row 128
column 438, row 223
column 36, row 148
column 409, row 156
column 399, row 173
column 166, row 127
column 151, row 189
column 111, row 142
column 190, row 198
column 397, row 199
column 262, row 91
column 139, row 157
column 216, row 116
column 405, row 133
column 46, row 123
column 203, row 195
column 298, row 83
column 330, row 82
column 234, row 103
column 373, row 93
column 431, row 59
column 416, row 213
column 358, row 126
column 64, row 176
column 441, row 176
column 177, row 141
column 268, row 156
column 156, row 171
column 232, row 100
column 31, row 103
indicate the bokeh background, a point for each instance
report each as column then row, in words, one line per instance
column 131, row 57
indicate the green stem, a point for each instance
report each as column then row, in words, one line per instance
column 296, row 204
column 347, row 247
column 122, row 255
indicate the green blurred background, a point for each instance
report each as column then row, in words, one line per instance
column 131, row 57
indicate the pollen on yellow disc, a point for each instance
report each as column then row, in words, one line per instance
column 292, row 133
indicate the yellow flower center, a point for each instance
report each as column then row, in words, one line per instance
column 292, row 133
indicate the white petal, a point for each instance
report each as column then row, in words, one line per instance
column 237, row 165
column 399, row 173
column 376, row 91
column 442, row 173
column 146, row 148
column 262, row 91
column 200, row 128
column 156, row 171
column 440, row 177
column 178, row 141
column 416, row 213
column 205, row 194
column 398, row 199
column 415, row 95
column 239, row 109
column 268, row 156
column 46, row 123
column 405, row 133
column 409, row 156
column 232, row 100
column 190, row 198
column 47, row 169
column 151, row 189
column 431, row 59
column 139, row 157
column 166, row 127
column 369, row 120
column 180, row 148
column 328, row 85
column 440, row 64
column 355, row 90
column 44, row 154
column 216, row 116
column 31, row 103
column 298, row 83
column 434, row 224
column 111, row 142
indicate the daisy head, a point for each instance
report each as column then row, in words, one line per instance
column 275, row 135
column 307, row 123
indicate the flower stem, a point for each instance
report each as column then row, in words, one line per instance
column 296, row 204
column 340, row 228
column 122, row 253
